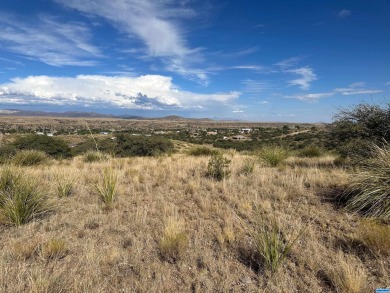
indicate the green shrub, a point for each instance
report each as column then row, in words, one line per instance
column 311, row 152
column 94, row 156
column 273, row 155
column 128, row 146
column 202, row 151
column 369, row 191
column 106, row 186
column 54, row 147
column 218, row 167
column 20, row 199
column 29, row 158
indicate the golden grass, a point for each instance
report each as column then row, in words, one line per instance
column 120, row 250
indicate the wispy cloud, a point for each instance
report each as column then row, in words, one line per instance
column 155, row 23
column 344, row 13
column 254, row 86
column 142, row 92
column 357, row 88
column 288, row 63
column 387, row 83
column 48, row 40
column 306, row 77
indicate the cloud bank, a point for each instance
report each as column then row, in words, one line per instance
column 143, row 92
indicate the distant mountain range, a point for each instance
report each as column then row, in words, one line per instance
column 77, row 114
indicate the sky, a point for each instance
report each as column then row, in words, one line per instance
column 252, row 60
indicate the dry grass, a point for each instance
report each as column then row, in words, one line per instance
column 376, row 236
column 121, row 250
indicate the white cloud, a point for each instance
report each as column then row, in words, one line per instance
column 307, row 76
column 155, row 23
column 311, row 97
column 48, row 40
column 143, row 92
column 254, row 86
column 344, row 13
column 387, row 83
column 357, row 88
column 287, row 63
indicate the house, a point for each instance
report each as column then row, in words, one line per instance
column 246, row 130
column 40, row 133
column 212, row 132
column 239, row 137
column 49, row 134
column 104, row 133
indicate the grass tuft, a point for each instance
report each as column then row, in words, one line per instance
column 273, row 155
column 202, row 151
column 376, row 236
column 94, row 156
column 54, row 249
column 20, row 198
column 271, row 244
column 369, row 192
column 311, row 151
column 29, row 158
column 106, row 187
column 174, row 242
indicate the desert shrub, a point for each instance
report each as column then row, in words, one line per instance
column 174, row 242
column 128, row 145
column 376, row 236
column 20, row 198
column 202, row 151
column 105, row 146
column 218, row 167
column 29, row 158
column 273, row 155
column 94, row 156
column 369, row 191
column 106, row 186
column 311, row 152
column 271, row 244
column 365, row 122
column 54, row 147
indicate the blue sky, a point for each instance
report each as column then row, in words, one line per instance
column 279, row 60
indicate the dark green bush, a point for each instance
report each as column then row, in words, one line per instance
column 311, row 152
column 128, row 146
column 54, row 147
column 218, row 167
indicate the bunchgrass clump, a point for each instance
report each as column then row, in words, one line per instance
column 247, row 167
column 65, row 188
column 29, row 158
column 106, row 186
column 218, row 167
column 369, row 191
column 271, row 243
column 20, row 198
column 174, row 242
column 94, row 156
column 202, row 151
column 54, row 249
column 273, row 155
column 376, row 236
column 347, row 275
column 311, row 151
